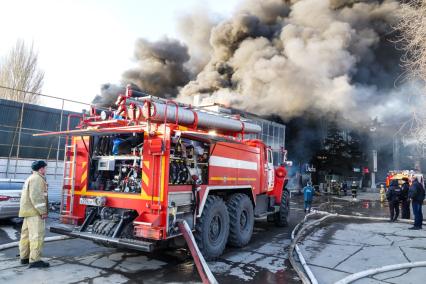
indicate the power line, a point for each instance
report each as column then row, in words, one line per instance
column 24, row 128
column 32, row 147
column 42, row 95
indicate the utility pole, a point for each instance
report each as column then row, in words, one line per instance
column 373, row 130
column 374, row 170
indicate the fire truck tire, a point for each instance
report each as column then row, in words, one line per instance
column 241, row 219
column 212, row 228
column 281, row 217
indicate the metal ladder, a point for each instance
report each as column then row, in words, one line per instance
column 70, row 160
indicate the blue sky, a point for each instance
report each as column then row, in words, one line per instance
column 83, row 44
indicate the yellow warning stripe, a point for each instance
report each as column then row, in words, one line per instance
column 248, row 179
column 145, row 179
column 146, row 164
column 84, row 176
column 119, row 195
column 143, row 196
column 163, row 172
column 223, row 178
column 233, row 178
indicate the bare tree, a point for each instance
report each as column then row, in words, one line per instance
column 412, row 26
column 19, row 71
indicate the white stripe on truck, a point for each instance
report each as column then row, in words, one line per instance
column 218, row 161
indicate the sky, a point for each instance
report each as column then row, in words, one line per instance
column 83, row 44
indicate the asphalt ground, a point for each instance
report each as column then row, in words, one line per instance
column 263, row 260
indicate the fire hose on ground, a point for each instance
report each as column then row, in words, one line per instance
column 359, row 275
column 202, row 267
column 308, row 277
column 46, row 240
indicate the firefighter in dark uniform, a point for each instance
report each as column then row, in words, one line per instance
column 354, row 189
column 393, row 196
column 405, row 200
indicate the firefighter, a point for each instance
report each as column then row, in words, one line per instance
column 405, row 201
column 417, row 196
column 308, row 195
column 33, row 209
column 393, row 196
column 354, row 189
column 382, row 193
column 345, row 188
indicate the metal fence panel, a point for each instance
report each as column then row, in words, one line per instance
column 54, row 175
column 35, row 119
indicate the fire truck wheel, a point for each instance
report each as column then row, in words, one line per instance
column 241, row 219
column 212, row 228
column 281, row 217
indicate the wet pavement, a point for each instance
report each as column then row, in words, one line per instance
column 339, row 248
column 263, row 260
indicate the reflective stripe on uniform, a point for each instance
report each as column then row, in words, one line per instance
column 40, row 205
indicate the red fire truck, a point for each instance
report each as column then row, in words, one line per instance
column 132, row 173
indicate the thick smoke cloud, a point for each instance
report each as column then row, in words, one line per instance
column 108, row 96
column 195, row 30
column 307, row 56
column 160, row 67
column 290, row 58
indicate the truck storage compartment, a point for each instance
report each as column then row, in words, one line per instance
column 188, row 158
column 116, row 163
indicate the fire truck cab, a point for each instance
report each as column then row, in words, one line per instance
column 132, row 174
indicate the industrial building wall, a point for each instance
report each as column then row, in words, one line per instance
column 21, row 169
column 16, row 138
column 273, row 134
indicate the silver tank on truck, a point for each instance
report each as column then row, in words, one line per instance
column 188, row 116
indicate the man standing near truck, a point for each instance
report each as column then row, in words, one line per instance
column 417, row 195
column 308, row 195
column 393, row 196
column 405, row 201
column 33, row 209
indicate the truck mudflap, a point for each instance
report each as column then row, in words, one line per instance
column 115, row 242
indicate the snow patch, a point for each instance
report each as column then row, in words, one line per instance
column 238, row 272
column 10, row 232
column 272, row 264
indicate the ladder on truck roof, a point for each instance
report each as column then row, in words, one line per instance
column 68, row 187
